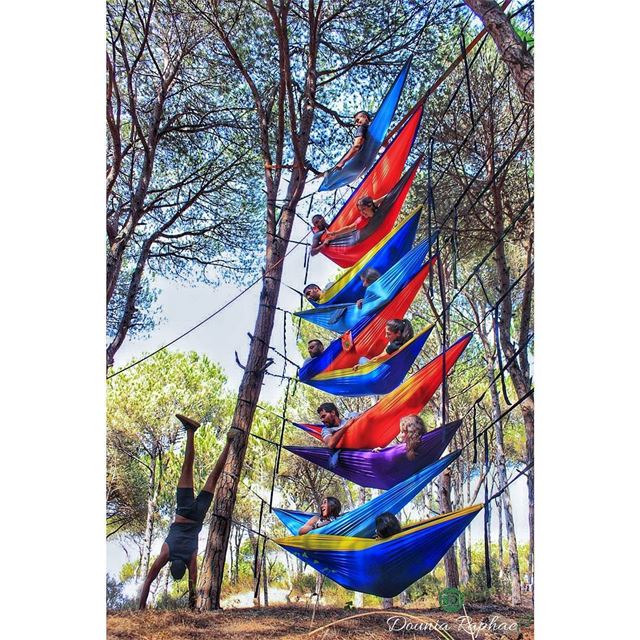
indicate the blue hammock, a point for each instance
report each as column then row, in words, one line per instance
column 373, row 378
column 342, row 317
column 375, row 135
column 384, row 567
column 362, row 521
column 348, row 287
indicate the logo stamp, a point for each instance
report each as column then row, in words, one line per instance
column 451, row 600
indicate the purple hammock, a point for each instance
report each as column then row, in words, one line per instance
column 380, row 469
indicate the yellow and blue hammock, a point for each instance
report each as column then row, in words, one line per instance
column 361, row 521
column 375, row 135
column 397, row 243
column 373, row 378
column 367, row 338
column 380, row 469
column 382, row 567
column 342, row 317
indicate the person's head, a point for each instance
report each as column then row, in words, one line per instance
column 412, row 428
column 312, row 292
column 319, row 223
column 398, row 330
column 177, row 568
column 329, row 414
column 387, row 525
column 362, row 117
column 369, row 276
column 330, row 507
column 315, row 348
column 366, row 206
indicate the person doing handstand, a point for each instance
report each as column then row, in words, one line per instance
column 180, row 547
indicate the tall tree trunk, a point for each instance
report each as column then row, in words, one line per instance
column 210, row 583
column 500, row 545
column 519, row 375
column 464, row 553
column 265, row 582
column 512, row 49
column 143, row 569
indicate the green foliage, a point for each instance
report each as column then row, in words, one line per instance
column 143, row 434
column 116, row 600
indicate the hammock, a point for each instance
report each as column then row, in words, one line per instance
column 373, row 378
column 381, row 469
column 384, row 567
column 348, row 287
column 361, row 522
column 383, row 180
column 376, row 133
column 342, row 317
column 380, row 424
column 345, row 249
column 367, row 336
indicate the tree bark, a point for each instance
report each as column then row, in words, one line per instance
column 520, row 378
column 512, row 49
column 143, row 569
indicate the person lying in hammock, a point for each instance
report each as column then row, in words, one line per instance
column 362, row 120
column 319, row 226
column 368, row 208
column 396, row 332
column 313, row 292
column 412, row 428
column 387, row 525
column 315, row 348
column 333, row 423
column 329, row 511
column 181, row 545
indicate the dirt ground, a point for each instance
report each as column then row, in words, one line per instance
column 483, row 622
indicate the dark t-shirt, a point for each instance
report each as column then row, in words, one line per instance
column 183, row 540
column 362, row 131
column 394, row 346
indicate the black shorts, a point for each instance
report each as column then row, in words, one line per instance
column 192, row 508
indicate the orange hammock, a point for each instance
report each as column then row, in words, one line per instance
column 380, row 424
column 371, row 340
column 383, row 177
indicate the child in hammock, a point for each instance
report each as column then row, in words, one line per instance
column 362, row 120
column 397, row 332
column 329, row 511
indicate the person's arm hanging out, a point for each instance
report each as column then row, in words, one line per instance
column 156, row 567
column 193, row 580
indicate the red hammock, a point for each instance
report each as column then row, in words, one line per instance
column 380, row 424
column 382, row 178
column 371, row 340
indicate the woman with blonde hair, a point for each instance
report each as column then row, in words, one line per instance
column 412, row 428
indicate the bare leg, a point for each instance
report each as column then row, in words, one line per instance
column 186, row 474
column 210, row 484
